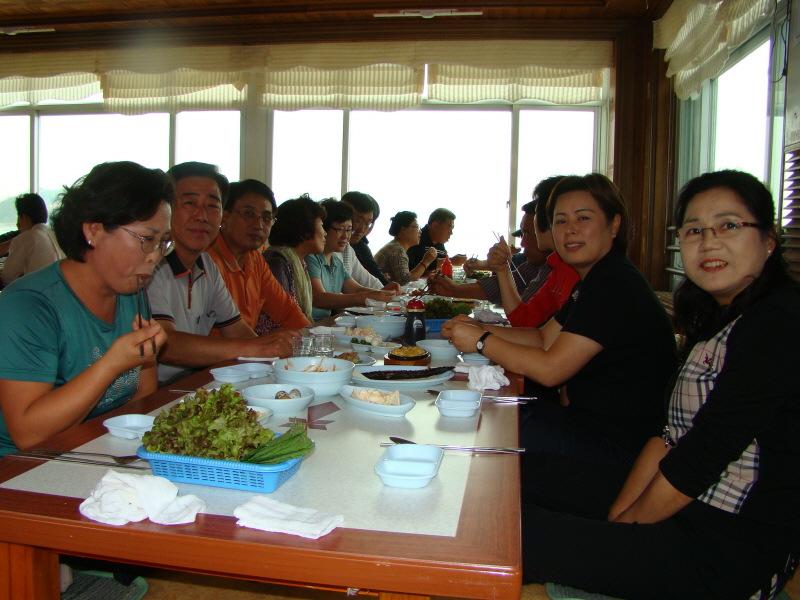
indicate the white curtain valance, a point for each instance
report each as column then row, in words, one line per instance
column 700, row 35
column 379, row 76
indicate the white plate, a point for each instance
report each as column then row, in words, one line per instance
column 366, row 359
column 406, row 403
column 401, row 384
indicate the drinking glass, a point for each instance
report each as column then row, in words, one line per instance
column 303, row 346
column 323, row 345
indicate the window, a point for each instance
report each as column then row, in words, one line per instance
column 15, row 153
column 211, row 137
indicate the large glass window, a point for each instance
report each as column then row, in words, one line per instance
column 420, row 160
column 70, row 145
column 307, row 154
column 211, row 137
column 15, row 152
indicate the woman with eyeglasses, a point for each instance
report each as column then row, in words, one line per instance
column 393, row 257
column 610, row 349
column 709, row 509
column 332, row 287
column 75, row 344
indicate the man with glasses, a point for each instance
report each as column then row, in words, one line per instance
column 187, row 292
column 246, row 223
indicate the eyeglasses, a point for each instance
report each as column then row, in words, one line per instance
column 341, row 230
column 150, row 244
column 727, row 229
column 250, row 216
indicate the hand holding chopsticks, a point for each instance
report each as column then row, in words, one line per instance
column 511, row 266
column 142, row 303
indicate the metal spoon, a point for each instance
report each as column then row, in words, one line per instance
column 501, row 450
column 498, row 399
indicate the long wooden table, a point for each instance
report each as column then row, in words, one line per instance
column 482, row 561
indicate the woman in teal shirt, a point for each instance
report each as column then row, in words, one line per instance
column 70, row 334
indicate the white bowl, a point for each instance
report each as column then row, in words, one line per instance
column 129, row 427
column 386, row 327
column 439, row 349
column 230, row 375
column 264, row 396
column 324, row 383
column 359, row 347
column 346, row 321
column 384, row 350
column 409, row 465
column 345, row 339
column 265, row 413
column 406, row 403
column 458, row 403
column 255, row 370
column 474, row 358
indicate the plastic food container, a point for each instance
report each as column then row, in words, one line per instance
column 255, row 370
column 458, row 403
column 230, row 375
column 220, row 473
column 264, row 396
column 435, row 324
column 409, row 465
column 129, row 427
column 439, row 349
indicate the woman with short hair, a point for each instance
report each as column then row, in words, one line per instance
column 73, row 344
column 393, row 257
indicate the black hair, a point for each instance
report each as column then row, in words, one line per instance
column 541, row 194
column 114, row 194
column 336, row 212
column 402, row 219
column 296, row 222
column 607, row 195
column 440, row 215
column 199, row 169
column 362, row 203
column 33, row 206
column 240, row 188
column 697, row 313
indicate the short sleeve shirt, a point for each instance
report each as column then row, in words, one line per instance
column 195, row 301
column 331, row 275
column 58, row 338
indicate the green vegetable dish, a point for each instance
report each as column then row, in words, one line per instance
column 219, row 425
column 439, row 308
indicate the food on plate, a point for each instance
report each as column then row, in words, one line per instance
column 292, row 444
column 368, row 333
column 408, row 351
column 439, row 308
column 481, row 274
column 313, row 368
column 403, row 374
column 214, row 424
column 376, row 396
column 295, row 393
column 351, row 356
column 418, row 292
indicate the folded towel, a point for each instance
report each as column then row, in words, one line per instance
column 120, row 498
column 266, row 514
column 320, row 330
column 483, row 377
column 489, row 316
column 374, row 303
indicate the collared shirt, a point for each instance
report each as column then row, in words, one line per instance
column 357, row 271
column 254, row 289
column 195, row 301
column 528, row 279
column 417, row 253
column 331, row 275
column 30, row 251
column 550, row 297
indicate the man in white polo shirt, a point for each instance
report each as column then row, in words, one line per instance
column 187, row 292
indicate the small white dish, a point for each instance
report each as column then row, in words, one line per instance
column 265, row 413
column 458, row 403
column 263, row 396
column 358, row 346
column 474, row 358
column 346, row 321
column 229, row 375
column 410, row 466
column 254, row 369
column 130, row 427
column 439, row 349
column 383, row 350
column 406, row 403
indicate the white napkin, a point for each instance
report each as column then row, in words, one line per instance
column 375, row 303
column 120, row 498
column 320, row 330
column 489, row 316
column 266, row 514
column 483, row 377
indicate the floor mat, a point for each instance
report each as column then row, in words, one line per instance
column 100, row 585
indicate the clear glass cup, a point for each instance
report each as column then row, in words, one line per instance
column 323, row 345
column 303, row 346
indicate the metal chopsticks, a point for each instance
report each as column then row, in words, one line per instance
column 73, row 459
column 484, row 449
column 142, row 301
column 511, row 264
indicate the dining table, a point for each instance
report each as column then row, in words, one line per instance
column 458, row 537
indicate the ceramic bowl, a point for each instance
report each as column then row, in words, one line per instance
column 263, row 396
column 230, row 375
column 386, row 327
column 255, row 370
column 439, row 349
column 129, row 427
column 458, row 403
column 409, row 465
column 333, row 373
column 383, row 350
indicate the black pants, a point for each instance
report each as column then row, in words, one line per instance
column 701, row 552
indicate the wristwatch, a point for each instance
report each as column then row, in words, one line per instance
column 481, row 343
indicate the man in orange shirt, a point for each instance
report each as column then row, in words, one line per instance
column 247, row 219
